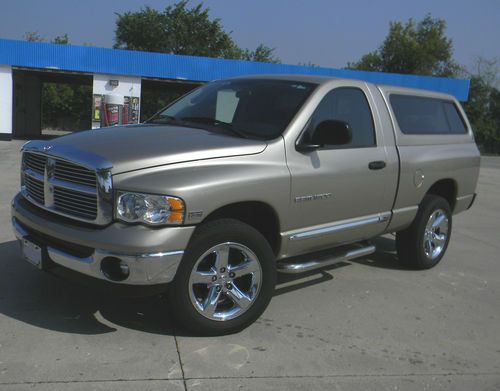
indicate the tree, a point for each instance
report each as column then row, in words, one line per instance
column 483, row 105
column 182, row 30
column 413, row 48
column 32, row 36
column 262, row 53
column 61, row 39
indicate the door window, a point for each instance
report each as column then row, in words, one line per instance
column 348, row 105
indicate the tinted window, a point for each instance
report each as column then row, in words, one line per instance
column 254, row 107
column 348, row 105
column 455, row 120
column 420, row 115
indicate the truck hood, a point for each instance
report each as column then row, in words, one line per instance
column 134, row 147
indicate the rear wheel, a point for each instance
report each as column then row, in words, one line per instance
column 423, row 244
column 226, row 278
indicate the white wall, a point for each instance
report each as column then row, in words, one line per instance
column 5, row 100
column 128, row 86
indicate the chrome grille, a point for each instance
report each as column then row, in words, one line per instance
column 34, row 188
column 35, row 162
column 75, row 203
column 68, row 188
column 74, row 173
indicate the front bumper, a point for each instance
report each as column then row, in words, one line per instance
column 151, row 254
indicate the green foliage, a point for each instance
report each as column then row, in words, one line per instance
column 182, row 30
column 61, row 39
column 413, row 48
column 483, row 111
column 262, row 53
column 64, row 106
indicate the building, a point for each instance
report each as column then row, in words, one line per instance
column 25, row 66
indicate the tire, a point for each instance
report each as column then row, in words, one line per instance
column 423, row 244
column 226, row 279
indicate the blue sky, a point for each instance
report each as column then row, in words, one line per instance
column 325, row 32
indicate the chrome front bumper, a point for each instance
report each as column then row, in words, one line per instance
column 145, row 269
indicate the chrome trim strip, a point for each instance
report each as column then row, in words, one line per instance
column 406, row 209
column 166, row 254
column 141, row 256
column 381, row 217
column 104, row 195
column 461, row 198
column 48, row 188
column 60, row 257
column 19, row 231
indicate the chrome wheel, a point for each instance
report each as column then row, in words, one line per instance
column 225, row 281
column 436, row 234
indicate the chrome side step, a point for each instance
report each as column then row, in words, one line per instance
column 344, row 255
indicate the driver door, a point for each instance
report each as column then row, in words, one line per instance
column 341, row 193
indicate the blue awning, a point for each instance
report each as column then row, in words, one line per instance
column 168, row 66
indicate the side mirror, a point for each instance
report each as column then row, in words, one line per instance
column 329, row 132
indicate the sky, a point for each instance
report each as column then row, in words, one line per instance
column 327, row 33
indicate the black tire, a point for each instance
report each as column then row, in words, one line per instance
column 410, row 242
column 208, row 235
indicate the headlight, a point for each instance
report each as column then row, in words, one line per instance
column 149, row 208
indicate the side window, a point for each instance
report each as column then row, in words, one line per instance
column 227, row 102
column 349, row 105
column 455, row 120
column 421, row 115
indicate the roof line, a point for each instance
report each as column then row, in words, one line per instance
column 170, row 66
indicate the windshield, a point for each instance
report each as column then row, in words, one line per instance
column 252, row 108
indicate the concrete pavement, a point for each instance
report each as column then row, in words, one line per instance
column 361, row 325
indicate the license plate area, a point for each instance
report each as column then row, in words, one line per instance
column 32, row 252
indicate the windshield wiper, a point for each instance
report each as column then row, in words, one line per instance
column 162, row 119
column 215, row 122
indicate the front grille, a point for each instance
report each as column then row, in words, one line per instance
column 35, row 162
column 70, row 172
column 75, row 203
column 64, row 187
column 34, row 188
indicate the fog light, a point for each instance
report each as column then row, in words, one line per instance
column 114, row 269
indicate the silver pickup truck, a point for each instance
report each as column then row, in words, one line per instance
column 244, row 178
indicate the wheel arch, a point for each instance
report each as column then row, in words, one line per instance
column 258, row 214
column 446, row 188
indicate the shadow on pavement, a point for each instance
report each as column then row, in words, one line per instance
column 63, row 301
column 385, row 257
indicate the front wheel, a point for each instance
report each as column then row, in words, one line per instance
column 423, row 244
column 226, row 279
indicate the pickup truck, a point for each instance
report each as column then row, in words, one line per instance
column 243, row 178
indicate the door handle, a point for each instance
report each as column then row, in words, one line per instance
column 377, row 165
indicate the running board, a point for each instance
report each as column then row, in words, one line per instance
column 328, row 260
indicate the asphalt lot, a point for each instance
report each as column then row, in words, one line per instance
column 364, row 325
